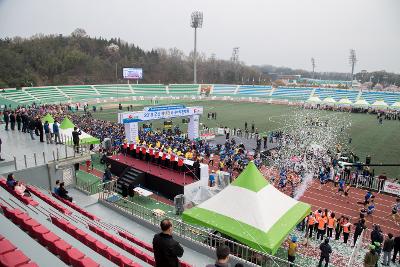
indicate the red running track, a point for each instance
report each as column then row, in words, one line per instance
column 326, row 196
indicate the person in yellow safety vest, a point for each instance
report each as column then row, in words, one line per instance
column 187, row 155
column 221, row 165
column 331, row 224
column 158, row 144
column 292, row 249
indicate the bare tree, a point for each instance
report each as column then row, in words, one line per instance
column 79, row 33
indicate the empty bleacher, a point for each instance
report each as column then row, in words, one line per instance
column 18, row 96
column 388, row 97
column 46, row 94
column 183, row 89
column 114, row 90
column 292, row 93
column 224, row 89
column 336, row 94
column 11, row 256
column 77, row 92
column 255, row 90
column 149, row 89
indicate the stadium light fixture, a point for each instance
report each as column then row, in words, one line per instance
column 352, row 62
column 196, row 22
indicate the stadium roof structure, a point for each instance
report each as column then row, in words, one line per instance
column 251, row 211
column 66, row 129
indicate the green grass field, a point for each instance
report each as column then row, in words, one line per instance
column 382, row 142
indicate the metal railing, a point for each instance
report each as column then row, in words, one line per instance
column 365, row 182
column 201, row 236
column 89, row 188
column 356, row 250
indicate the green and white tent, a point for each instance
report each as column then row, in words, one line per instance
column 66, row 129
column 314, row 100
column 250, row 210
column 48, row 118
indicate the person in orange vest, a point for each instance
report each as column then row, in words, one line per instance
column 310, row 224
column 322, row 220
column 317, row 215
column 331, row 224
column 346, row 230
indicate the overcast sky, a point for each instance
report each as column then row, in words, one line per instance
column 276, row 32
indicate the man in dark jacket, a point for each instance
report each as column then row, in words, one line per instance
column 32, row 126
column 39, row 127
column 12, row 120
column 25, row 122
column 222, row 257
column 376, row 235
column 326, row 250
column 19, row 120
column 359, row 227
column 396, row 248
column 166, row 249
column 388, row 246
column 1, row 142
column 6, row 118
column 75, row 138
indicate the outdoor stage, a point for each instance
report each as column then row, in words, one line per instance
column 160, row 180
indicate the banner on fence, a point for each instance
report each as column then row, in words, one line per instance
column 392, row 188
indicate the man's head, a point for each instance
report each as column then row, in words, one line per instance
column 75, row 128
column 390, row 235
column 326, row 241
column 166, row 226
column 222, row 254
column 57, row 182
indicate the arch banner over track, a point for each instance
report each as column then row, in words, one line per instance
column 131, row 119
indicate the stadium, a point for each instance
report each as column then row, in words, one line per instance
column 110, row 159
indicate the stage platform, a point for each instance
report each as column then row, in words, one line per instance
column 161, row 180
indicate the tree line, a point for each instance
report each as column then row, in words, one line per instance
column 81, row 59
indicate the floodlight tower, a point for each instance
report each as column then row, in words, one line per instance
column 313, row 66
column 352, row 62
column 196, row 22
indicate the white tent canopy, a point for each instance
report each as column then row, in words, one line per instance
column 314, row 100
column 251, row 211
column 361, row 103
column 344, row 101
column 329, row 101
column 380, row 104
column 396, row 105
